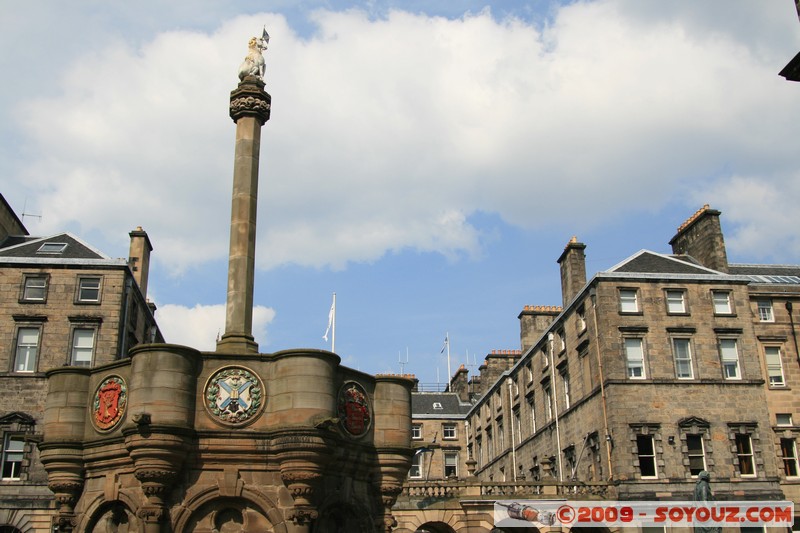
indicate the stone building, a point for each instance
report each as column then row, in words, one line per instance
column 173, row 439
column 62, row 303
column 648, row 373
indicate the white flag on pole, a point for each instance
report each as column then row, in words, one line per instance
column 331, row 318
column 446, row 342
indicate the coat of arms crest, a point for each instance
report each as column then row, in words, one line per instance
column 353, row 409
column 109, row 403
column 234, row 395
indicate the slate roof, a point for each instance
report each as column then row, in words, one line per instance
column 422, row 405
column 29, row 247
column 649, row 262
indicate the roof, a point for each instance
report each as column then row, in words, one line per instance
column 438, row 405
column 768, row 274
column 47, row 249
column 647, row 262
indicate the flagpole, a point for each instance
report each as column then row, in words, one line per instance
column 333, row 326
column 449, row 374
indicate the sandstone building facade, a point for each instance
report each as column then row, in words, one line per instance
column 62, row 303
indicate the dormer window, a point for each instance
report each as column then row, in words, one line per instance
column 52, row 248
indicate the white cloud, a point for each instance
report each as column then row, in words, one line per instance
column 200, row 325
column 389, row 133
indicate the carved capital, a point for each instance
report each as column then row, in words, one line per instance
column 151, row 513
column 303, row 515
column 250, row 100
column 64, row 522
column 66, row 493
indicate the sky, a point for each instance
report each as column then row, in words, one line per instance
column 426, row 161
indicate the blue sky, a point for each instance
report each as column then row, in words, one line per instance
column 427, row 161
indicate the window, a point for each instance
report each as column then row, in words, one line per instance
column 13, row 450
column 634, row 358
column 783, row 419
column 676, row 301
column 529, row 374
column 34, row 289
column 450, row 464
column 562, row 341
column 729, row 355
column 532, row 409
column 744, row 455
column 449, row 431
column 52, row 248
column 437, row 406
column 765, row 311
column 89, row 290
column 416, row 431
column 683, row 358
column 565, row 381
column 581, row 318
column 774, row 367
column 789, row 454
column 628, row 301
column 82, row 347
column 517, row 421
column 548, row 402
column 696, row 453
column 27, row 350
column 646, row 450
column 722, row 302
column 501, row 436
column 416, row 465
column 489, row 443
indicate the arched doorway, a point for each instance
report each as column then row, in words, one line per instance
column 9, row 529
column 434, row 527
column 228, row 515
column 113, row 517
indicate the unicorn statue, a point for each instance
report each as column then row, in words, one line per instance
column 253, row 64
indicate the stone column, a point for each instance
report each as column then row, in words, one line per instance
column 249, row 109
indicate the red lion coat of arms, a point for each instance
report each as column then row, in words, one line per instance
column 353, row 409
column 109, row 403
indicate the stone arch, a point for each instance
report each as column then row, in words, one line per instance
column 15, row 521
column 434, row 527
column 92, row 509
column 5, row 528
column 112, row 517
column 210, row 509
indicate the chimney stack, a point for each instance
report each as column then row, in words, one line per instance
column 701, row 238
column 573, row 270
column 139, row 257
column 534, row 320
column 249, row 108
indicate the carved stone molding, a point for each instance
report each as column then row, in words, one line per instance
column 250, row 100
column 64, row 522
column 302, row 515
column 151, row 513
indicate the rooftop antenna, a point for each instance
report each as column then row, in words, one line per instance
column 400, row 360
column 24, row 214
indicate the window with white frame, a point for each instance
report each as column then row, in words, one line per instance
column 634, row 357
column 89, row 289
column 744, row 454
column 676, row 301
column 765, row 311
column 82, row 346
column 12, row 455
column 580, row 316
column 628, row 301
column 729, row 357
column 448, row 431
column 450, row 464
column 789, row 454
column 561, row 341
column 517, row 421
column 34, row 288
column 501, row 436
column 772, row 355
column 565, row 382
column 52, row 248
column 416, row 465
column 548, row 402
column 722, row 302
column 682, row 351
column 532, row 410
column 489, row 444
column 783, row 419
column 27, row 349
column 696, row 453
column 646, row 452
column 416, row 431
column 529, row 373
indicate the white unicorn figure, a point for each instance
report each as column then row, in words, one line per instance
column 253, row 64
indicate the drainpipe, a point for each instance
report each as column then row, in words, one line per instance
column 123, row 327
column 593, row 296
column 511, row 421
column 554, row 397
column 794, row 332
